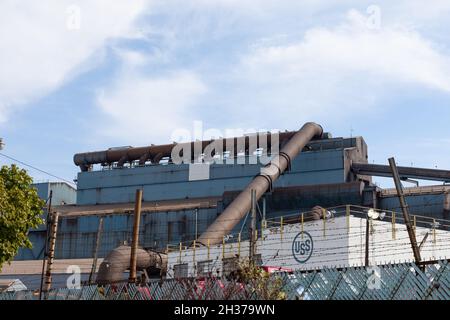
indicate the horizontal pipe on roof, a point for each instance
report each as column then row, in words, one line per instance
column 404, row 172
column 156, row 153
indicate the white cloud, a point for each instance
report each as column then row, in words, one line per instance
column 38, row 52
column 140, row 107
column 332, row 72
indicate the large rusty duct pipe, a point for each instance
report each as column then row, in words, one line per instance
column 112, row 268
column 225, row 223
column 156, row 153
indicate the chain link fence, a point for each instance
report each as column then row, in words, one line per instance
column 405, row 281
column 173, row 289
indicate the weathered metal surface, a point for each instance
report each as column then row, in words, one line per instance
column 404, row 172
column 431, row 205
column 150, row 206
column 152, row 153
column 171, row 182
column 298, row 197
column 415, row 191
column 118, row 261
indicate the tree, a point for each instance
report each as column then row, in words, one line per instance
column 265, row 285
column 20, row 210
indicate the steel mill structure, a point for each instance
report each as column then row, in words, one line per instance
column 259, row 195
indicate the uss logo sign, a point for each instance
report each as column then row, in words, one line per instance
column 302, row 247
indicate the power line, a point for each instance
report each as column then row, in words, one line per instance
column 37, row 169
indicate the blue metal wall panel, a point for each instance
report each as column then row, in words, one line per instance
column 62, row 192
column 431, row 205
column 171, row 181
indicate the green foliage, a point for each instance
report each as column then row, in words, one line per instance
column 20, row 210
column 266, row 286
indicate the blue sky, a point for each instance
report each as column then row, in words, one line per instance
column 80, row 76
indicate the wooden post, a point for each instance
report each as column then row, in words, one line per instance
column 181, row 250
column 193, row 252
column 208, row 248
column 239, row 244
column 324, row 214
column 97, row 248
column 367, row 241
column 303, row 222
column 393, row 225
column 252, row 225
column 135, row 239
column 264, row 221
column 405, row 210
column 47, row 230
column 347, row 215
column 434, row 231
column 51, row 252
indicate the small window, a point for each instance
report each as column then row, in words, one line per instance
column 204, row 268
column 180, row 270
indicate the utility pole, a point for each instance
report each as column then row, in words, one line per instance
column 135, row 240
column 404, row 206
column 98, row 241
column 196, row 223
column 47, row 229
column 51, row 251
column 253, row 227
column 367, row 241
column 264, row 210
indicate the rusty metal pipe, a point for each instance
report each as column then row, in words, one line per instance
column 155, row 153
column 112, row 268
column 261, row 183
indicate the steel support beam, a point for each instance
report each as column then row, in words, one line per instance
column 404, row 206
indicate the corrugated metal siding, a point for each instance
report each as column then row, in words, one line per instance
column 171, row 182
column 431, row 205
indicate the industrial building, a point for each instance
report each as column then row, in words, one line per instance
column 182, row 202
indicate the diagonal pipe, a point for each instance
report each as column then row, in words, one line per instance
column 225, row 223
